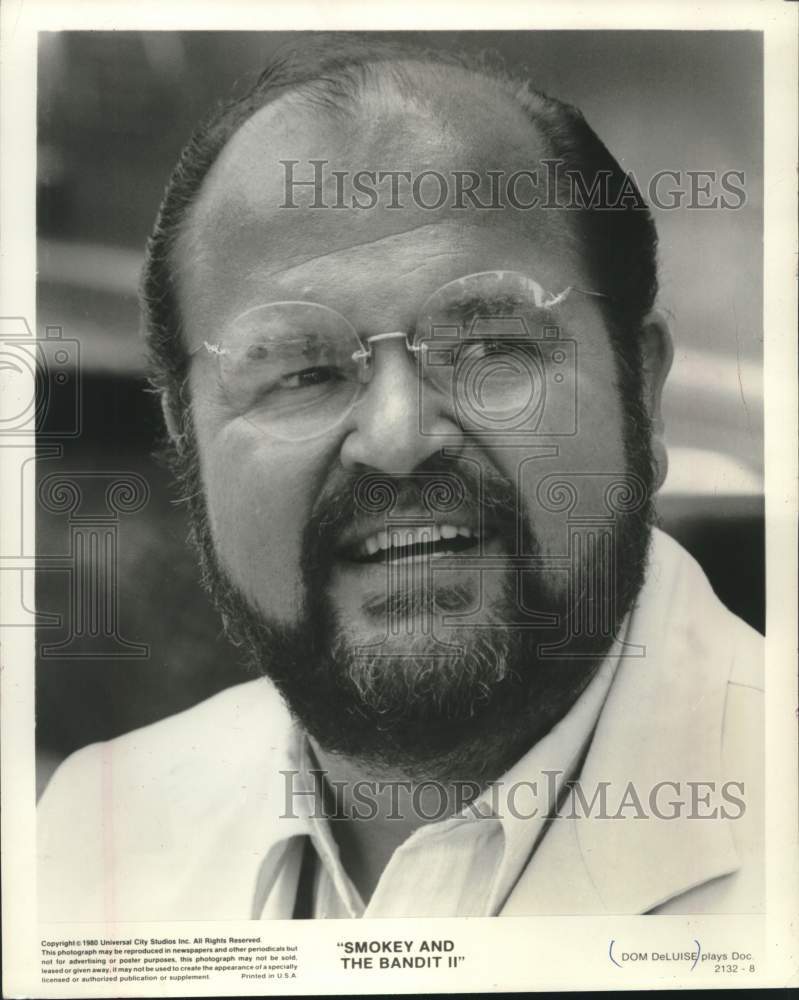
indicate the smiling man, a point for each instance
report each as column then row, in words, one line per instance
column 412, row 375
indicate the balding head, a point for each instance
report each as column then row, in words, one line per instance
column 313, row 201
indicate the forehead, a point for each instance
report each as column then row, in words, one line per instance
column 244, row 245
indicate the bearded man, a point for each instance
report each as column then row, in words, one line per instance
column 400, row 308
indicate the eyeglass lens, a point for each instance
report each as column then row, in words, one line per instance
column 487, row 341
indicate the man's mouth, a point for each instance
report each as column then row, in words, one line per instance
column 406, row 542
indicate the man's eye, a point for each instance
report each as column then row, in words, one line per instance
column 309, row 377
column 493, row 347
column 485, row 348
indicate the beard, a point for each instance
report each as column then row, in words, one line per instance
column 460, row 701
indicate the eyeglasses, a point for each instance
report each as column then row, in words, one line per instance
column 492, row 343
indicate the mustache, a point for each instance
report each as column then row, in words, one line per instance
column 483, row 496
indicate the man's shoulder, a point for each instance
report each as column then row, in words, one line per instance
column 236, row 725
column 715, row 642
column 732, row 654
column 687, row 711
column 742, row 776
column 675, row 579
column 139, row 810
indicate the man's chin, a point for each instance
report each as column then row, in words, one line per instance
column 458, row 707
column 412, row 698
column 431, row 673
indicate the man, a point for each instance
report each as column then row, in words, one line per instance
column 411, row 373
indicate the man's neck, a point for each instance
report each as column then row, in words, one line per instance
column 381, row 804
column 375, row 808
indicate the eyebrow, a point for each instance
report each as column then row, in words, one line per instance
column 481, row 304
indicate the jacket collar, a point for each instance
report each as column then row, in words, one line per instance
column 662, row 722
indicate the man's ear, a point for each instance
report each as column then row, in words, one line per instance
column 169, row 419
column 657, row 354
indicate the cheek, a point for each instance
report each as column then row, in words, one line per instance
column 258, row 498
column 598, row 444
column 570, row 480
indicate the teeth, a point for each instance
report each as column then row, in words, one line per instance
column 380, row 541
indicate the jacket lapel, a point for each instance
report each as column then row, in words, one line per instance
column 662, row 723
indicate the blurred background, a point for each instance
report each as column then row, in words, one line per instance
column 115, row 109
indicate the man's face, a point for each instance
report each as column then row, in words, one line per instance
column 289, row 515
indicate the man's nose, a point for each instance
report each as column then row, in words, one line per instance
column 400, row 420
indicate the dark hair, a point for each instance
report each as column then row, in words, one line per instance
column 619, row 243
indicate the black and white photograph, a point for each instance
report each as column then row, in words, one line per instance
column 392, row 506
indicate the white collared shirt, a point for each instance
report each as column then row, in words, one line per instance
column 467, row 864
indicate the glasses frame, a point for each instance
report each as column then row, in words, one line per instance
column 365, row 353
column 363, row 357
